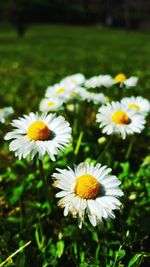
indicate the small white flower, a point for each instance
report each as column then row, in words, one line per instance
column 140, row 104
column 96, row 98
column 5, row 112
column 58, row 90
column 88, row 189
column 105, row 80
column 92, row 82
column 34, row 134
column 121, row 79
column 115, row 118
column 64, row 91
column 74, row 93
column 99, row 81
column 76, row 79
column 131, row 82
column 50, row 104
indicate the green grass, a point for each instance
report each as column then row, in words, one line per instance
column 48, row 53
column 28, row 66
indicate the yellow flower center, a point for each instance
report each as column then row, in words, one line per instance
column 60, row 90
column 74, row 94
column 120, row 117
column 120, row 78
column 50, row 104
column 38, row 131
column 87, row 186
column 132, row 105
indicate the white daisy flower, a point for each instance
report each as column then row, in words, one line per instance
column 98, row 81
column 76, row 92
column 5, row 112
column 97, row 98
column 138, row 103
column 50, row 104
column 76, row 79
column 105, row 80
column 88, row 189
column 115, row 118
column 34, row 134
column 131, row 82
column 57, row 90
column 92, row 82
column 61, row 90
column 64, row 91
column 123, row 80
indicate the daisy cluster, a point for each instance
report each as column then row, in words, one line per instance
column 108, row 81
column 77, row 87
column 87, row 189
column 68, row 90
column 124, row 117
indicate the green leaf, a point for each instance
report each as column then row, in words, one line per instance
column 121, row 254
column 60, row 248
column 84, row 264
column 146, row 161
column 134, row 259
column 37, row 237
column 95, row 237
column 82, row 256
column 17, row 192
column 125, row 169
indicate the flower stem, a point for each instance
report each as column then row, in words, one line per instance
column 117, row 257
column 45, row 185
column 129, row 148
column 105, row 149
column 78, row 143
column 14, row 254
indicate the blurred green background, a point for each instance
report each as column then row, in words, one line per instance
column 48, row 53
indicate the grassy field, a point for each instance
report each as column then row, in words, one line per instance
column 28, row 66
